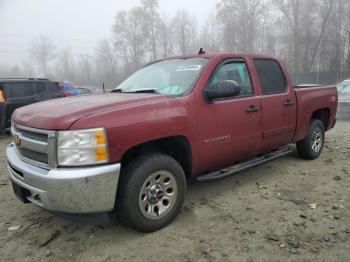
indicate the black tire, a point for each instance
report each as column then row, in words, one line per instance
column 135, row 178
column 307, row 148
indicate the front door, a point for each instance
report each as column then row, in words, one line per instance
column 230, row 130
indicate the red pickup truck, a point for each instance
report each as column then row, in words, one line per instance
column 130, row 152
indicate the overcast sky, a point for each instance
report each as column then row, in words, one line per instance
column 77, row 24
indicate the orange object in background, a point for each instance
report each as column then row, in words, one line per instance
column 2, row 98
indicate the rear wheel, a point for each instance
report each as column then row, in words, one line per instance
column 311, row 146
column 151, row 192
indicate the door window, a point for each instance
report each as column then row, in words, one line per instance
column 271, row 76
column 236, row 71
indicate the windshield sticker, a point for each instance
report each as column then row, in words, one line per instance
column 189, row 68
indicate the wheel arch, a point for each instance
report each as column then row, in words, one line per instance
column 322, row 114
column 177, row 147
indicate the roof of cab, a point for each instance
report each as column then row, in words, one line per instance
column 220, row 54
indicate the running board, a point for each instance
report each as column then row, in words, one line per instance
column 246, row 165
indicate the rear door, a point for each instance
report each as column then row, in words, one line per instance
column 278, row 104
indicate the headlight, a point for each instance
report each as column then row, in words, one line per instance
column 82, row 147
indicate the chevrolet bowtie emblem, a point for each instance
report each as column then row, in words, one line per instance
column 17, row 140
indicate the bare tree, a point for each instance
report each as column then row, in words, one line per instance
column 239, row 20
column 347, row 38
column 65, row 64
column 308, row 35
column 166, row 43
column 106, row 62
column 42, row 51
column 85, row 67
column 129, row 31
column 153, row 23
column 209, row 34
column 291, row 10
column 184, row 31
column 326, row 9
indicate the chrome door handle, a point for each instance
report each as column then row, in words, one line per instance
column 252, row 109
column 289, row 103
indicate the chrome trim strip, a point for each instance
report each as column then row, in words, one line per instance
column 31, row 129
column 14, row 173
column 31, row 144
column 52, row 149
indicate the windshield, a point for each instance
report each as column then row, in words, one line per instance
column 173, row 77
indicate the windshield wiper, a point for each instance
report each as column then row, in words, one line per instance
column 117, row 91
column 152, row 91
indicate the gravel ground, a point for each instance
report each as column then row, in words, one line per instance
column 286, row 210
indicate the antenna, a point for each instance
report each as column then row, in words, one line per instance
column 201, row 51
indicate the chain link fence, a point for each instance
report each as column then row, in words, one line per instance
column 320, row 78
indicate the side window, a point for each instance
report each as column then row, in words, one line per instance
column 39, row 88
column 51, row 88
column 271, row 76
column 236, row 71
column 19, row 89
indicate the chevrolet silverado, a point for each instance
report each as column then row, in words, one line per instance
column 130, row 152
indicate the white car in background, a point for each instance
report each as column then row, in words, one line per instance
column 343, row 84
column 84, row 90
column 344, row 100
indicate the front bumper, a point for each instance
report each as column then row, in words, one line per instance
column 67, row 190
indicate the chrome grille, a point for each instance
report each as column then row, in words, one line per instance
column 35, row 146
column 36, row 156
column 32, row 135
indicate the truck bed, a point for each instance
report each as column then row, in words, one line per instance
column 310, row 99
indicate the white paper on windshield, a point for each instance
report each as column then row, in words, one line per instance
column 189, row 68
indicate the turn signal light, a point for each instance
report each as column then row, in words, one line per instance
column 100, row 137
column 101, row 154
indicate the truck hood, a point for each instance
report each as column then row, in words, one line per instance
column 60, row 114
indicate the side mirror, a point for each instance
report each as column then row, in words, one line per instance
column 224, row 89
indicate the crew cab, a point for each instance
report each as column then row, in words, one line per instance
column 131, row 151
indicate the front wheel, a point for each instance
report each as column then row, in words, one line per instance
column 151, row 192
column 311, row 146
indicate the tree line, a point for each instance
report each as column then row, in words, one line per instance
column 312, row 35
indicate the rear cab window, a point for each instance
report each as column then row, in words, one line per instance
column 271, row 76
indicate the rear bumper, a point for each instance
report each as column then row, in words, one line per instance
column 67, row 190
